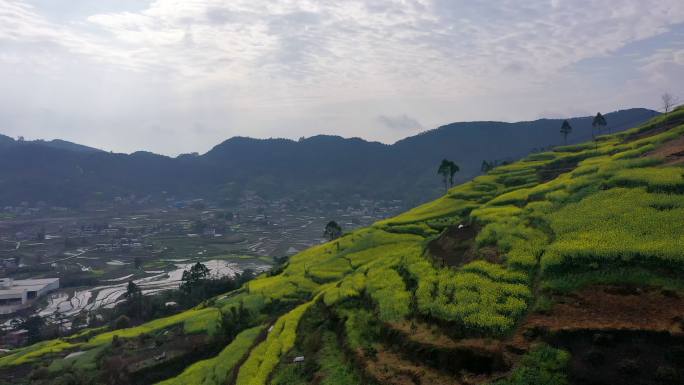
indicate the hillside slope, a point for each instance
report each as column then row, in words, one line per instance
column 564, row 267
column 320, row 167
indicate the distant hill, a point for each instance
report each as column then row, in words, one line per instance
column 64, row 145
column 7, row 141
column 65, row 173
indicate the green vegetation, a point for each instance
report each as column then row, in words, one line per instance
column 335, row 368
column 542, row 366
column 317, row 343
column 618, row 227
column 192, row 320
column 216, row 370
column 83, row 362
column 596, row 213
column 265, row 357
column 35, row 351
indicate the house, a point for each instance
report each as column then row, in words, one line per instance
column 20, row 294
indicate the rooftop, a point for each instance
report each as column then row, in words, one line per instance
column 20, row 285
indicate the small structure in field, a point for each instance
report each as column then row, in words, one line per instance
column 20, row 294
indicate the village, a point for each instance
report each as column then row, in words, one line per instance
column 84, row 258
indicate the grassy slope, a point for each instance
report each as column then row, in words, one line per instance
column 216, row 370
column 616, row 211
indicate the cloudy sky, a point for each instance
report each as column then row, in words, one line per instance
column 175, row 76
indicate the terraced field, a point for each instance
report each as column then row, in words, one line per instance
column 520, row 276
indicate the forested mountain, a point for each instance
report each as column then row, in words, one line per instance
column 64, row 173
column 562, row 268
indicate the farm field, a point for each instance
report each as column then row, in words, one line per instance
column 526, row 273
column 96, row 253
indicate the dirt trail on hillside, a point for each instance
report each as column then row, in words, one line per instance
column 655, row 130
column 671, row 152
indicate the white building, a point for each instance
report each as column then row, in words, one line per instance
column 19, row 294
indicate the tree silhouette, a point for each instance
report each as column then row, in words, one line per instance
column 599, row 122
column 453, row 169
column 234, row 321
column 332, row 230
column 134, row 299
column 486, row 166
column 33, row 326
column 447, row 169
column 669, row 101
column 193, row 278
column 132, row 290
column 566, row 128
column 443, row 170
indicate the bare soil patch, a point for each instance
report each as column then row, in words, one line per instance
column 671, row 152
column 420, row 343
column 612, row 307
column 390, row 368
column 456, row 247
column 427, row 333
column 650, row 132
column 615, row 334
column 655, row 130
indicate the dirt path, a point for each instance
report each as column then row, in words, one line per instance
column 671, row 152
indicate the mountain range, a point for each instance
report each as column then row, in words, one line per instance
column 320, row 167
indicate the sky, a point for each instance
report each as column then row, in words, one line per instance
column 178, row 76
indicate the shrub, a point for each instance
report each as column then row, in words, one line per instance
column 216, row 370
column 121, row 323
column 541, row 366
column 387, row 289
column 264, row 358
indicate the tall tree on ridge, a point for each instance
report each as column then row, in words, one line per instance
column 669, row 101
column 447, row 169
column 599, row 122
column 566, row 128
column 444, row 170
column 453, row 169
column 486, row 166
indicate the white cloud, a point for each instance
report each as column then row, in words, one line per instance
column 661, row 58
column 237, row 61
column 400, row 122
